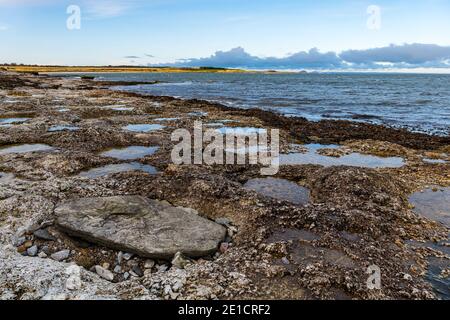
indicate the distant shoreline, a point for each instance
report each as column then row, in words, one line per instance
column 115, row 69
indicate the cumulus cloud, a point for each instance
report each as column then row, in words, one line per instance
column 238, row 57
column 394, row 56
column 414, row 54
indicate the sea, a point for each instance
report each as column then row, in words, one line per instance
column 417, row 102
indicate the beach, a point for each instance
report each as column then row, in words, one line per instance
column 64, row 140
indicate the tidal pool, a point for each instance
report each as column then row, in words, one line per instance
column 279, row 189
column 441, row 285
column 62, row 128
column 166, row 119
column 220, row 123
column 241, row 130
column 143, row 128
column 6, row 178
column 130, row 153
column 117, row 168
column 354, row 159
column 119, row 107
column 435, row 205
column 6, row 121
column 24, row 148
column 198, row 114
column 434, row 161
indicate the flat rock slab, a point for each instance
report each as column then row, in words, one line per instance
column 149, row 228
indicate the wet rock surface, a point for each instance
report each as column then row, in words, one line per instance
column 357, row 217
column 142, row 226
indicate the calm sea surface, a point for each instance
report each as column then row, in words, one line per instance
column 418, row 102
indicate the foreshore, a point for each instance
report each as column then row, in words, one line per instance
column 355, row 218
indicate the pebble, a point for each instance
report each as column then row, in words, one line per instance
column 180, row 261
column 162, row 268
column 106, row 265
column 127, row 256
column 105, row 274
column 44, row 235
column 117, row 269
column 42, row 255
column 21, row 249
column 285, row 260
column 20, row 241
column 224, row 246
column 60, row 255
column 137, row 271
column 149, row 264
column 126, row 275
column 120, row 257
column 32, row 251
column 46, row 250
column 28, row 244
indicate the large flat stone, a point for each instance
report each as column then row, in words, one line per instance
column 139, row 225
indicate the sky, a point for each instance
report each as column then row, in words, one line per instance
column 260, row 34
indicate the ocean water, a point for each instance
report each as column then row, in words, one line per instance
column 418, row 102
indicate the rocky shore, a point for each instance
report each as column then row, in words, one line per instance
column 81, row 220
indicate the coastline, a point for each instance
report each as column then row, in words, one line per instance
column 356, row 216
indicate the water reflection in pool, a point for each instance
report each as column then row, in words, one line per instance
column 117, row 168
column 24, row 148
column 353, row 159
column 143, row 128
column 280, row 189
column 130, row 153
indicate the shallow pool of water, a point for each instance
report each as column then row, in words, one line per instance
column 279, row 189
column 6, row 121
column 143, row 128
column 118, row 108
column 63, row 128
column 198, row 114
column 117, row 168
column 166, row 119
column 354, row 159
column 130, row 153
column 434, row 205
column 6, row 178
column 241, row 130
column 434, row 161
column 24, row 148
column 11, row 101
column 441, row 286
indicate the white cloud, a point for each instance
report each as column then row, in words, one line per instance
column 99, row 9
column 106, row 8
column 394, row 56
column 26, row 2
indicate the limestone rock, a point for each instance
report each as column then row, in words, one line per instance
column 104, row 273
column 139, row 225
column 60, row 255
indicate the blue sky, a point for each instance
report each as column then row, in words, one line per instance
column 254, row 33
